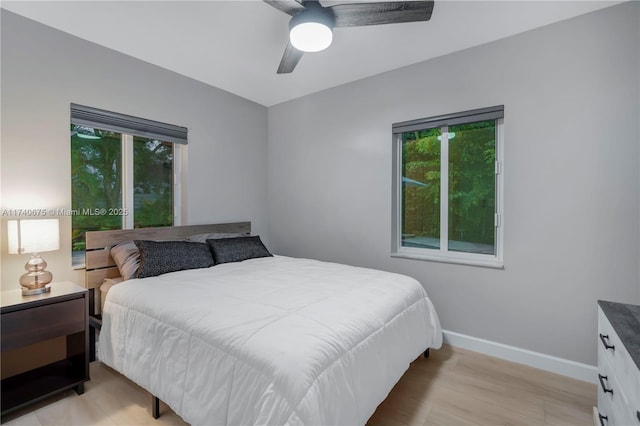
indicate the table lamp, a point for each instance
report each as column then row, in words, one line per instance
column 34, row 236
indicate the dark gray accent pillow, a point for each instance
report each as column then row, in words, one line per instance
column 227, row 250
column 160, row 257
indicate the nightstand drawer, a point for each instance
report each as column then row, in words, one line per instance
column 22, row 328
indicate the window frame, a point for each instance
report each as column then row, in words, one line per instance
column 443, row 254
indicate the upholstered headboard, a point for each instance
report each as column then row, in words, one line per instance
column 100, row 265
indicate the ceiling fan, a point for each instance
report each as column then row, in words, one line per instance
column 311, row 25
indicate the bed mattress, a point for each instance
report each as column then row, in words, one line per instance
column 278, row 341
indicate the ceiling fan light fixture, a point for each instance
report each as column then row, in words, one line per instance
column 311, row 30
column 311, row 36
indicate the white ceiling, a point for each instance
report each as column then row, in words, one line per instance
column 237, row 45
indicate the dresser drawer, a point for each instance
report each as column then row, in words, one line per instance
column 24, row 327
column 630, row 383
column 607, row 416
column 612, row 395
column 610, row 348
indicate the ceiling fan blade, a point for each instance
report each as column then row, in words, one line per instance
column 290, row 59
column 390, row 12
column 290, row 7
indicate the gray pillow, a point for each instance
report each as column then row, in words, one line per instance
column 161, row 257
column 202, row 238
column 227, row 250
column 127, row 259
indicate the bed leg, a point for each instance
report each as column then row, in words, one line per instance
column 155, row 407
column 426, row 353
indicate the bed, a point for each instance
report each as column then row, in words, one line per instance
column 267, row 340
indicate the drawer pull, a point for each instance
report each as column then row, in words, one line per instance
column 602, row 418
column 638, row 415
column 604, row 387
column 604, row 338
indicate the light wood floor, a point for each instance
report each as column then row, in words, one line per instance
column 451, row 387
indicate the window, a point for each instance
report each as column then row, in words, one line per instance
column 125, row 173
column 447, row 190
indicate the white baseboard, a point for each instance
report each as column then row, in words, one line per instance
column 573, row 369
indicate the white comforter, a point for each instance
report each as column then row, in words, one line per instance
column 277, row 341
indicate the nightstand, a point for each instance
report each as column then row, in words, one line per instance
column 32, row 320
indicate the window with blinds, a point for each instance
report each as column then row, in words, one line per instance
column 447, row 190
column 125, row 173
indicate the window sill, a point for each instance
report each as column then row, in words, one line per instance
column 485, row 263
column 78, row 267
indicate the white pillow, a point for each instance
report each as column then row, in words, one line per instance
column 105, row 287
column 127, row 258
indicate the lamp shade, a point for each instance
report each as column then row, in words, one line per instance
column 33, row 235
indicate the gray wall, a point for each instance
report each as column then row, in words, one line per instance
column 572, row 184
column 44, row 70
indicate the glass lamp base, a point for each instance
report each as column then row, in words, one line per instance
column 32, row 291
column 36, row 279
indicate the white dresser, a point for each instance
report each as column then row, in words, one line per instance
column 618, row 365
